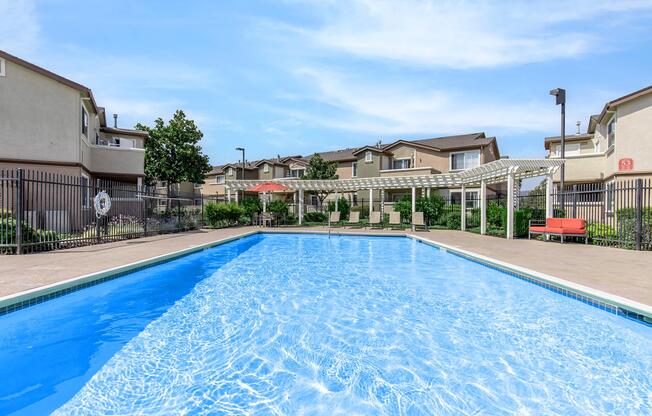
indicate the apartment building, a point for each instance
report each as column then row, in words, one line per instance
column 617, row 144
column 52, row 124
column 399, row 158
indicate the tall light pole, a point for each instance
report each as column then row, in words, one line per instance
column 241, row 149
column 560, row 94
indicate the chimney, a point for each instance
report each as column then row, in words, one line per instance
column 115, row 121
column 578, row 127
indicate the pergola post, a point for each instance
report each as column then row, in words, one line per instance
column 337, row 201
column 510, row 205
column 237, row 197
column 414, row 203
column 428, row 192
column 483, row 207
column 228, row 195
column 382, row 203
column 463, row 209
column 300, row 206
column 550, row 213
column 371, row 201
column 264, row 201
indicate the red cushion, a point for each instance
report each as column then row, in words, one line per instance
column 581, row 231
column 554, row 222
column 554, row 230
column 538, row 229
column 576, row 223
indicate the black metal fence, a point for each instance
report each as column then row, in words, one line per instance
column 617, row 213
column 42, row 211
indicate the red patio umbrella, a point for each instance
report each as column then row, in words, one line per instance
column 268, row 187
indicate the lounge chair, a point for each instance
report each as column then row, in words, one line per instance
column 266, row 219
column 375, row 220
column 334, row 219
column 354, row 219
column 395, row 221
column 418, row 222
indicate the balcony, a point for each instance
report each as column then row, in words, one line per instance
column 117, row 160
column 421, row 171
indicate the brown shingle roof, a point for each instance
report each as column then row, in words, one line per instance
column 449, row 142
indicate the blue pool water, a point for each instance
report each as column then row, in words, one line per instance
column 291, row 324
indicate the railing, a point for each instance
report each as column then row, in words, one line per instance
column 42, row 211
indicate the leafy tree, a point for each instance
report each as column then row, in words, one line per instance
column 173, row 153
column 342, row 206
column 318, row 168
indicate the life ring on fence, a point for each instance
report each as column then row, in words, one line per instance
column 102, row 203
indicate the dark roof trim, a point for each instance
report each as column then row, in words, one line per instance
column 371, row 148
column 611, row 105
column 128, row 132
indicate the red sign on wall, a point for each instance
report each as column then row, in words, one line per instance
column 626, row 164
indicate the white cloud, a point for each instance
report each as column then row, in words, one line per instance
column 379, row 108
column 465, row 34
column 19, row 28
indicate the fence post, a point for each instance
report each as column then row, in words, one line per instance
column 19, row 211
column 97, row 219
column 639, row 213
column 574, row 201
column 179, row 214
column 201, row 223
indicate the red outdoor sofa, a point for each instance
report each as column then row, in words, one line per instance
column 562, row 227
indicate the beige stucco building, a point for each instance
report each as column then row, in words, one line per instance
column 52, row 124
column 616, row 146
column 399, row 158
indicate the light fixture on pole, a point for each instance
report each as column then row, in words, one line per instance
column 560, row 95
column 241, row 149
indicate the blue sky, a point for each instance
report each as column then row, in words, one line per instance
column 294, row 77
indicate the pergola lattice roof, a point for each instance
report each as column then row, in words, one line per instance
column 492, row 172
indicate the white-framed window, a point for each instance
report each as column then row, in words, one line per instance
column 230, row 172
column 3, row 68
column 402, row 163
column 354, row 169
column 465, row 160
column 197, row 185
column 85, row 191
column 296, row 173
column 472, row 198
column 266, row 168
column 368, row 156
column 572, row 149
column 84, row 121
column 219, row 179
column 611, row 133
column 610, row 200
column 314, row 200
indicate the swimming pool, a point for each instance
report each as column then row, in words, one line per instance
column 289, row 323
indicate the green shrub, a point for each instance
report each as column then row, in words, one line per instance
column 221, row 215
column 314, row 217
column 454, row 220
column 432, row 208
column 252, row 206
column 601, row 231
column 496, row 214
column 364, row 211
column 278, row 207
column 404, row 206
column 342, row 206
column 46, row 239
column 522, row 222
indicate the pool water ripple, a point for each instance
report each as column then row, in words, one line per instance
column 303, row 324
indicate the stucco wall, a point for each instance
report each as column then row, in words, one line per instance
column 634, row 133
column 39, row 117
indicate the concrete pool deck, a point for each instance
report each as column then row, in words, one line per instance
column 623, row 273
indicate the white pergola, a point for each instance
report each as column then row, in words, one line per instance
column 499, row 171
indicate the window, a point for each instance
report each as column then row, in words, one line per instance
column 472, row 198
column 84, row 122
column 465, row 160
column 354, row 169
column 314, row 200
column 611, row 133
column 85, row 191
column 572, row 149
column 368, row 157
column 404, row 163
column 230, row 172
column 197, row 185
column 266, row 168
column 296, row 173
column 163, row 184
column 3, row 70
column 219, row 179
